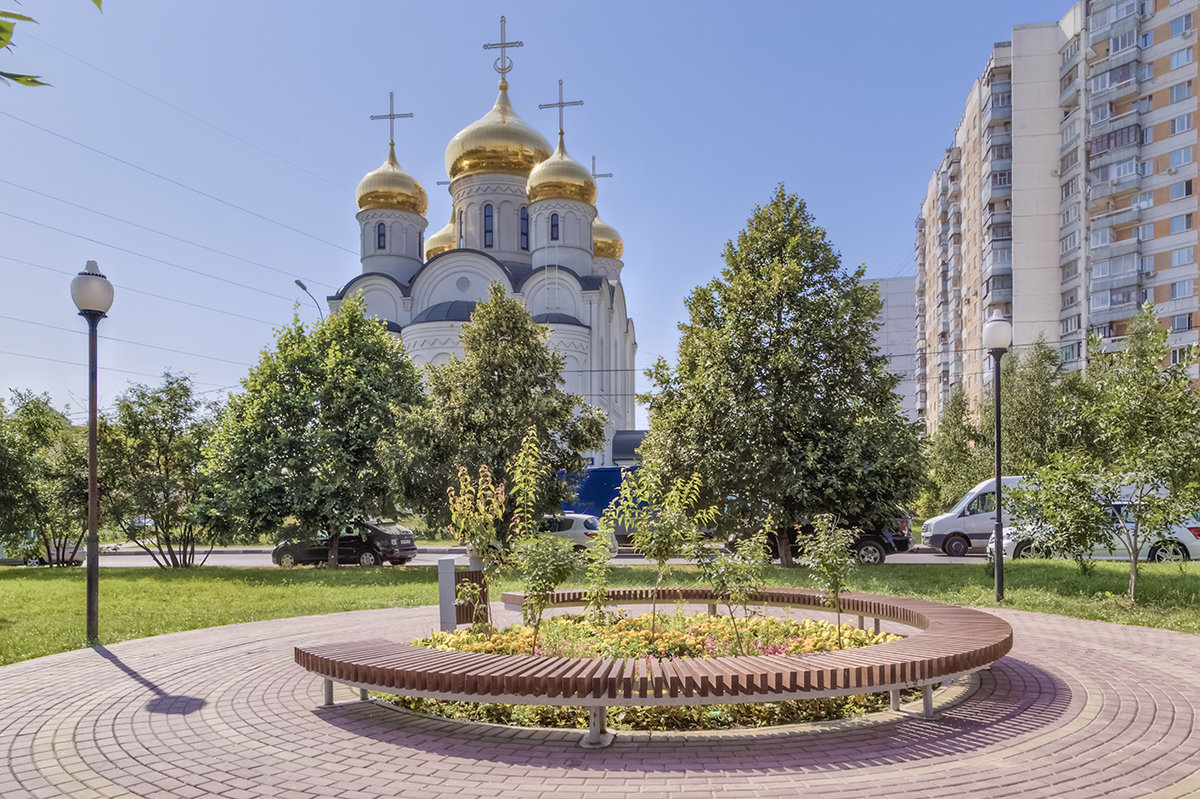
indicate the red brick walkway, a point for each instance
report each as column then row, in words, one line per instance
column 1079, row 709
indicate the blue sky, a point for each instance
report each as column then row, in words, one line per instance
column 206, row 154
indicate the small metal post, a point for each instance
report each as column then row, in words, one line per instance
column 927, row 699
column 362, row 694
column 328, row 692
column 447, row 615
column 894, row 695
column 877, row 625
column 712, row 608
column 861, row 626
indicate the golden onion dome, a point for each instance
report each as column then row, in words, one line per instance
column 561, row 177
column 606, row 241
column 441, row 241
column 390, row 187
column 500, row 141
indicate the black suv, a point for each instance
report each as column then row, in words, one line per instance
column 361, row 542
column 871, row 546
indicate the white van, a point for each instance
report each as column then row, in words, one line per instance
column 968, row 525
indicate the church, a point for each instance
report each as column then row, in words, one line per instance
column 523, row 214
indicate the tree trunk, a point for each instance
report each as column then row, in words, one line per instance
column 335, row 538
column 784, row 546
column 1133, row 575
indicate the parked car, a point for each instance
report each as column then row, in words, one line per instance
column 968, row 526
column 361, row 542
column 1182, row 542
column 872, row 545
column 581, row 529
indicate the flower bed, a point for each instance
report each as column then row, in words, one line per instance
column 675, row 636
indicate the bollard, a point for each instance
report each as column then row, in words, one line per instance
column 446, row 607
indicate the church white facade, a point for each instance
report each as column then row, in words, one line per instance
column 524, row 216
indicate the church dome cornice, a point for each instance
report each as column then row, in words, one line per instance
column 561, row 177
column 391, row 188
column 499, row 141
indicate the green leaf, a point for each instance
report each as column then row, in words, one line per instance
column 6, row 33
column 16, row 16
column 24, row 80
column 97, row 2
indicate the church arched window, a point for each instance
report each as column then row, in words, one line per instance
column 524, row 228
column 420, row 243
column 460, row 228
column 381, row 236
column 488, row 229
column 553, row 227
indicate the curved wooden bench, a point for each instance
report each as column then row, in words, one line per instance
column 950, row 642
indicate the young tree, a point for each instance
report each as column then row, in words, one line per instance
column 662, row 520
column 482, row 405
column 780, row 399
column 827, row 555
column 43, row 482
column 476, row 509
column 151, row 452
column 299, row 442
column 1133, row 429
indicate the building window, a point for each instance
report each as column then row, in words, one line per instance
column 1068, row 242
column 1181, row 189
column 1001, row 151
column 381, row 236
column 1181, row 223
column 1069, row 271
column 1069, row 352
column 1070, row 324
column 1067, row 161
column 1181, row 322
column 1181, row 58
column 1002, row 178
column 553, row 227
column 1122, row 41
column 1070, row 51
column 1144, row 232
column 1069, row 132
column 524, row 228
column 1147, row 40
column 1180, row 157
column 1179, row 92
column 1069, row 188
column 1001, row 99
column 1070, row 298
column 1178, row 355
column 1146, row 71
column 1101, row 113
column 1146, row 264
column 1143, row 200
column 489, row 230
column 1101, row 236
column 1121, row 297
column 1181, row 25
column 1181, row 123
column 1070, row 214
column 1099, row 301
column 460, row 228
column 420, row 242
column 1181, row 289
column 1147, row 135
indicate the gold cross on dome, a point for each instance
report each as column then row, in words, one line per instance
column 560, row 105
column 391, row 116
column 503, row 64
column 596, row 174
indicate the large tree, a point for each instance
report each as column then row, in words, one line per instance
column 779, row 398
column 152, row 459
column 298, row 444
column 483, row 404
column 43, row 485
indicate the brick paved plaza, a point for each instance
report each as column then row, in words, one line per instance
column 1079, row 709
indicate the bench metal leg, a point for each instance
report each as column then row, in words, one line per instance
column 894, row 695
column 861, row 626
column 877, row 625
column 598, row 735
column 712, row 609
column 362, row 694
column 927, row 699
column 328, row 692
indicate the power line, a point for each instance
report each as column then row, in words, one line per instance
column 190, row 115
column 174, row 182
column 161, row 233
column 85, row 366
column 69, row 273
column 122, row 340
column 148, row 257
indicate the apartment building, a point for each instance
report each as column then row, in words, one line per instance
column 897, row 296
column 1066, row 199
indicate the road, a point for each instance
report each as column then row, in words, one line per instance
column 263, row 558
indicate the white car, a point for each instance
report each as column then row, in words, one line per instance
column 580, row 529
column 1181, row 543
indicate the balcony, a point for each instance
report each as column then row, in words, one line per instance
column 992, row 266
column 995, row 114
column 1114, row 123
column 1111, row 313
column 1116, row 92
column 1111, row 189
column 1113, row 218
column 1115, row 249
column 997, row 217
column 999, row 296
column 992, row 193
column 996, row 136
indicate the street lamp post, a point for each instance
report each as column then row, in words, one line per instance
column 304, row 288
column 93, row 296
column 997, row 338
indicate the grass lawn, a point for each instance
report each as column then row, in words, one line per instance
column 42, row 610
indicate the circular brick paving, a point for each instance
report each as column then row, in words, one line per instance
column 1078, row 709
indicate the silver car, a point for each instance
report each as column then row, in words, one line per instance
column 580, row 529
